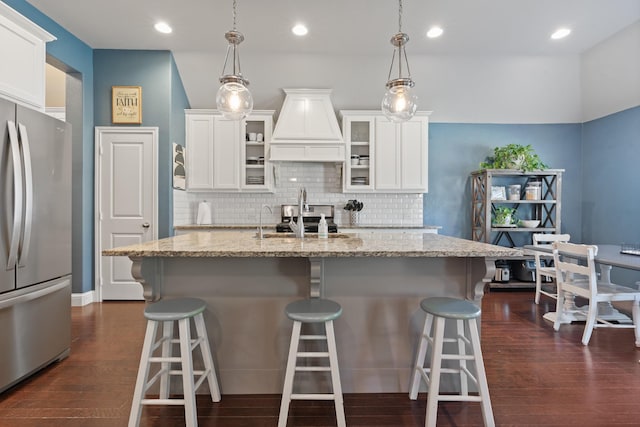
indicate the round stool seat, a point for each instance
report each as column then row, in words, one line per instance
column 450, row 308
column 174, row 309
column 313, row 310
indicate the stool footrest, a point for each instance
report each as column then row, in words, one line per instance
column 158, row 359
column 458, row 357
column 313, row 368
column 458, row 398
column 313, row 337
column 314, row 396
column 313, row 354
column 151, row 402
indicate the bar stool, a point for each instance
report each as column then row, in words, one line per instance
column 314, row 310
column 463, row 312
column 167, row 312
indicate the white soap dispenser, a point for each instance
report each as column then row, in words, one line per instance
column 323, row 228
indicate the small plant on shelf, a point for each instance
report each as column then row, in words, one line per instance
column 514, row 156
column 503, row 215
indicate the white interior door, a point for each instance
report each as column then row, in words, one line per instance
column 126, row 182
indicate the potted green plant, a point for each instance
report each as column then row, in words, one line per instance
column 514, row 156
column 504, row 216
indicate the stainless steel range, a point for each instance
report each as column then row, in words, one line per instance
column 311, row 218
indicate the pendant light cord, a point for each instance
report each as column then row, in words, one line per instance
column 399, row 16
column 235, row 15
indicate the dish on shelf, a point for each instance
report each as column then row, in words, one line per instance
column 529, row 223
column 359, row 180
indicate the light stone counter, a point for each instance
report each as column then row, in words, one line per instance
column 377, row 278
column 245, row 244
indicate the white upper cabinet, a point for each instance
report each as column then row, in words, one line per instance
column 199, row 148
column 383, row 156
column 226, row 154
column 23, row 53
column 221, row 156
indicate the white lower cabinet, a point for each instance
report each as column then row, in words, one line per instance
column 395, row 154
column 228, row 155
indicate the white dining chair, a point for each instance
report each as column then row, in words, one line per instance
column 542, row 269
column 576, row 273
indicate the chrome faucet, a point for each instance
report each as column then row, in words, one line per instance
column 298, row 228
column 260, row 235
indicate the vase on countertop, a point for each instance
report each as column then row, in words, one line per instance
column 354, row 217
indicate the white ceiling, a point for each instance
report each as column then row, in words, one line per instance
column 340, row 27
column 345, row 26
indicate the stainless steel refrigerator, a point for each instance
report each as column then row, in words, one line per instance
column 35, row 241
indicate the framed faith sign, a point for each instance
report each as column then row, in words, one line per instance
column 126, row 104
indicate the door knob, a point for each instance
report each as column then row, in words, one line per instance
column 146, row 225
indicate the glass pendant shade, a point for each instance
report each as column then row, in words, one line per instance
column 399, row 103
column 234, row 101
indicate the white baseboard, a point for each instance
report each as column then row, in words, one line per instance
column 78, row 300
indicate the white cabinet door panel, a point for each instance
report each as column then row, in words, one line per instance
column 226, row 154
column 387, row 155
column 414, row 156
column 199, row 137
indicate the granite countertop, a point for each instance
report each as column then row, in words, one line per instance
column 243, row 244
column 201, row 227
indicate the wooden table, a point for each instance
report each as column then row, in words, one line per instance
column 608, row 256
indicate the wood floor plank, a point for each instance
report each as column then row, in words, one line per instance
column 537, row 377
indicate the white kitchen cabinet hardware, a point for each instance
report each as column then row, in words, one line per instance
column 222, row 157
column 23, row 53
column 383, row 156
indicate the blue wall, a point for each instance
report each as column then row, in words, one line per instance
column 76, row 56
column 155, row 71
column 456, row 150
column 611, row 183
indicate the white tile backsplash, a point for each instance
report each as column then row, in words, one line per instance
column 324, row 186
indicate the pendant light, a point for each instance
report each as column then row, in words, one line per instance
column 400, row 102
column 233, row 99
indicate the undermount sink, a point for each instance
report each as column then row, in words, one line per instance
column 306, row 236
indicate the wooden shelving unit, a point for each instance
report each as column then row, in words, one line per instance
column 547, row 209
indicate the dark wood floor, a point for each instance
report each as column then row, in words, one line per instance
column 536, row 377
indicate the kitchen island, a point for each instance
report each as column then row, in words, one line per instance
column 379, row 279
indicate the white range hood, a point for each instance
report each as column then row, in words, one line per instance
column 307, row 129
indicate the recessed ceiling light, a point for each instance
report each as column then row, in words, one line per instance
column 163, row 27
column 300, row 30
column 434, row 32
column 560, row 33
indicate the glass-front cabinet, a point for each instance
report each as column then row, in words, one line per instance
column 358, row 131
column 257, row 171
column 383, row 156
column 228, row 155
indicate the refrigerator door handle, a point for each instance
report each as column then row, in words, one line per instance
column 17, row 196
column 30, row 296
column 28, row 192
